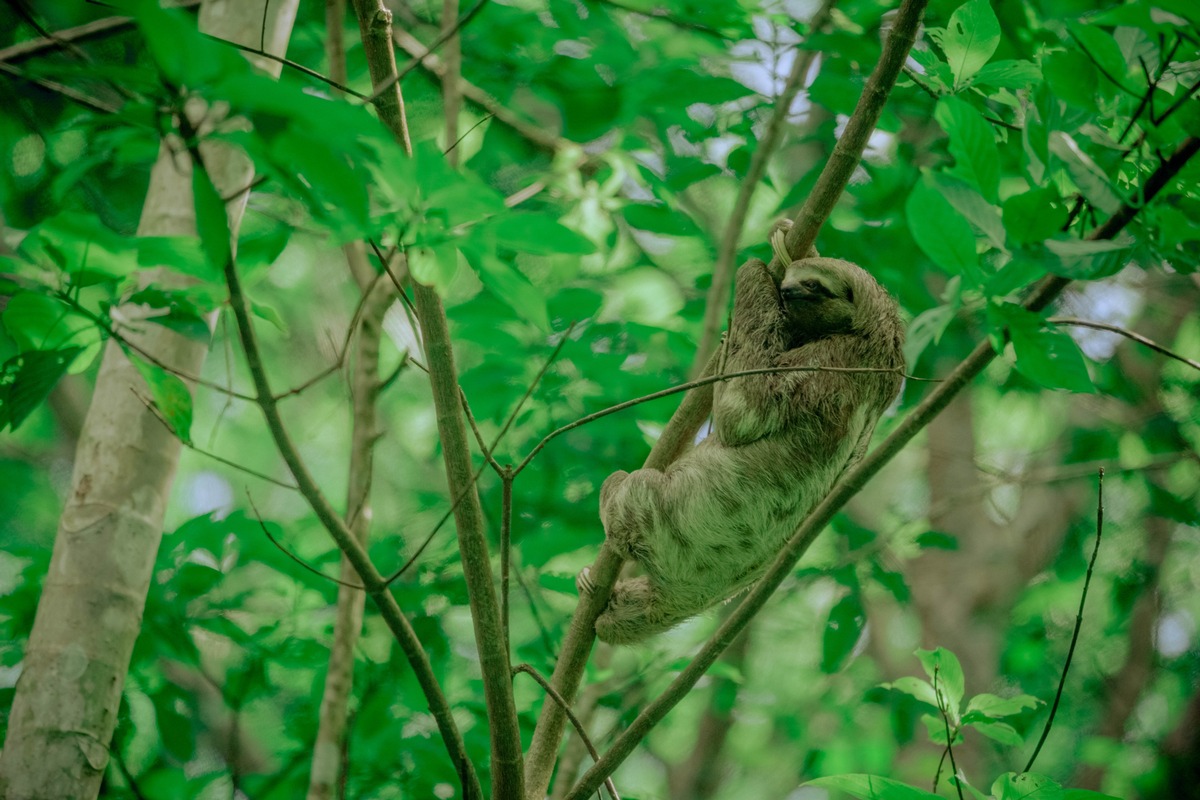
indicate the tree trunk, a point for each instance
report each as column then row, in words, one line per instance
column 90, row 612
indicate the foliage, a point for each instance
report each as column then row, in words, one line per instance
column 1018, row 130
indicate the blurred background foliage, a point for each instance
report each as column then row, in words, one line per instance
column 634, row 122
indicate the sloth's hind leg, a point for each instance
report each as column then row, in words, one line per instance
column 635, row 611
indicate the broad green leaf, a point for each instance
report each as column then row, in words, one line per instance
column 892, row 581
column 1087, row 794
column 972, row 144
column 935, row 729
column 1086, row 173
column 211, row 222
column 1008, row 74
column 998, row 731
column 26, row 379
column 80, row 245
column 949, row 681
column 941, row 232
column 183, row 56
column 180, row 253
column 513, row 288
column 174, row 729
column 936, row 540
column 1084, row 259
column 967, row 201
column 1071, row 78
column 1099, row 46
column 970, row 39
column 1026, row 786
column 915, row 688
column 990, row 705
column 1034, row 215
column 872, row 787
column 38, row 322
column 539, row 234
column 659, row 219
column 1048, row 357
column 268, row 313
column 843, row 629
column 170, row 395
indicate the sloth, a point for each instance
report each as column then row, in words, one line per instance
column 706, row 527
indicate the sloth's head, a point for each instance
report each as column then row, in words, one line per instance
column 827, row 296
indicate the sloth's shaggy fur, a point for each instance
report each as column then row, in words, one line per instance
column 707, row 526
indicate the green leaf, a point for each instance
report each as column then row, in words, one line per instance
column 984, row 216
column 892, row 581
column 211, row 222
column 843, row 629
column 1071, row 78
column 1087, row 794
column 913, row 687
column 949, row 679
column 941, row 232
column 970, row 39
column 998, row 731
column 1099, row 46
column 38, row 322
column 175, row 729
column 972, row 144
column 1093, row 183
column 26, row 379
column 936, row 540
column 1046, row 356
column 181, row 253
column 539, row 234
column 1026, row 786
column 170, row 394
column 992, row 706
column 659, row 219
column 269, row 314
column 872, row 787
column 1084, row 259
column 1008, row 74
column 1034, row 215
column 513, row 288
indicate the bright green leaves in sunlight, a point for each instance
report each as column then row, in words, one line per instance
column 26, row 379
column 972, row 144
column 1045, row 355
column 211, row 222
column 940, row 231
column 170, row 395
column 944, row 691
column 969, row 40
column 872, row 787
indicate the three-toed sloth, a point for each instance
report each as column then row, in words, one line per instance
column 707, row 527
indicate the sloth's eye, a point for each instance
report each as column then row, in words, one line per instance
column 812, row 285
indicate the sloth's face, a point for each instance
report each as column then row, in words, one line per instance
column 817, row 300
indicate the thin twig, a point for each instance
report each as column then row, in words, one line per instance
column 684, row 387
column 1087, row 581
column 158, row 415
column 1128, row 334
column 279, row 546
column 944, row 710
column 579, row 729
